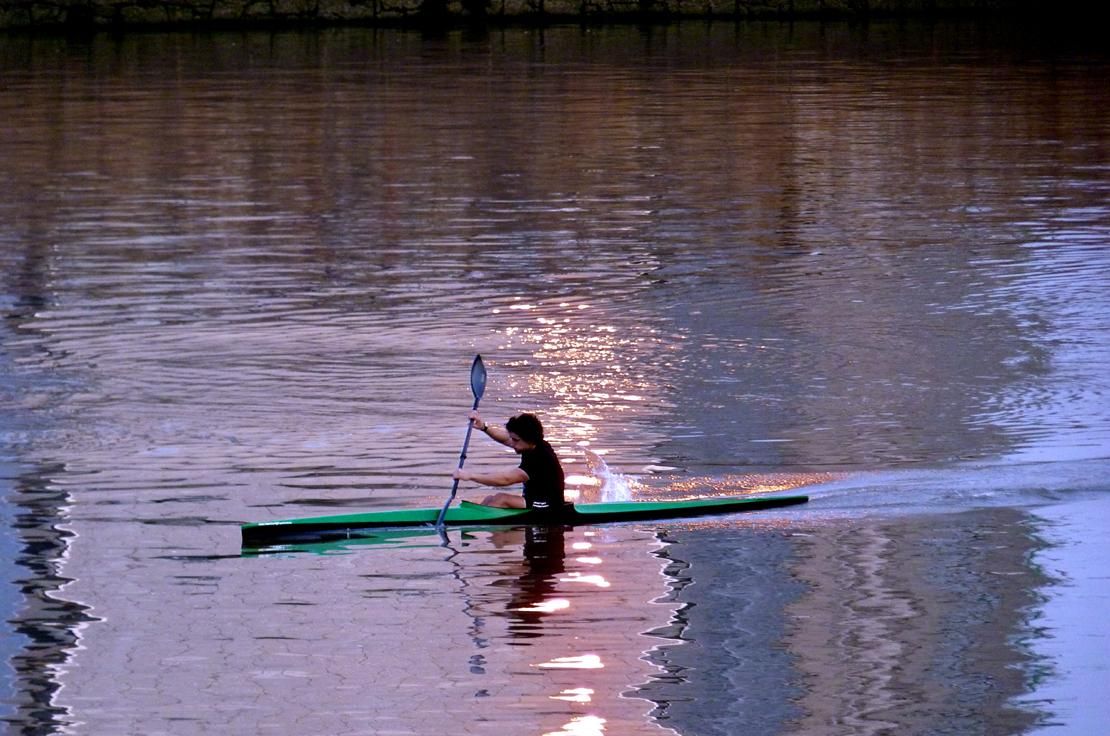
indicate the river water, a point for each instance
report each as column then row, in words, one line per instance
column 243, row 277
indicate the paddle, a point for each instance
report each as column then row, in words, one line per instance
column 477, row 387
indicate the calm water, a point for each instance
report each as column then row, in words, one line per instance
column 243, row 277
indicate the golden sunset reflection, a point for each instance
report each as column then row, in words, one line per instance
column 580, row 662
column 577, row 577
column 747, row 484
column 584, row 364
column 581, row 726
column 549, row 606
column 575, row 695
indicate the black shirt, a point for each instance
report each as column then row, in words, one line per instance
column 544, row 487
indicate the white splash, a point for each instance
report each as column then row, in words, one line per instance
column 614, row 486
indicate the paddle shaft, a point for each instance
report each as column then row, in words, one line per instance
column 462, row 459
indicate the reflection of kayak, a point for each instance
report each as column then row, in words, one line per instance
column 471, row 514
column 321, row 544
column 408, row 537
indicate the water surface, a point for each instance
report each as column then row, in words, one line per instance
column 243, row 277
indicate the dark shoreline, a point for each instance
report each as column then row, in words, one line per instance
column 90, row 16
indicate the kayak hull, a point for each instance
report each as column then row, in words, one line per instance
column 343, row 526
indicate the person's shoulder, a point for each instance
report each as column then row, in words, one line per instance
column 542, row 449
column 548, row 450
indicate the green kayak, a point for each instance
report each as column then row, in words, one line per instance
column 344, row 526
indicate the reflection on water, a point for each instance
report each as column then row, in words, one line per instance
column 913, row 626
column 49, row 626
column 242, row 277
column 537, row 589
column 924, row 627
column 741, row 260
column 722, row 657
column 542, row 653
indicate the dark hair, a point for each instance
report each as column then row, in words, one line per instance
column 527, row 427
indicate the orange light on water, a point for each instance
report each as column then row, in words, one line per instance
column 748, row 484
column 580, row 662
column 550, row 606
column 575, row 695
column 577, row 577
column 581, row 361
column 581, row 726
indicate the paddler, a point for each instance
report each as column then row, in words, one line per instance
column 539, row 469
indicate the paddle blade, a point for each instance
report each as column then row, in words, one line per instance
column 478, row 378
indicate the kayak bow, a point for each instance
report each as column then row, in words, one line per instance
column 344, row 526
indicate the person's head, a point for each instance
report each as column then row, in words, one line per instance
column 525, row 427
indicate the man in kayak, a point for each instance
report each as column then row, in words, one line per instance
column 539, row 469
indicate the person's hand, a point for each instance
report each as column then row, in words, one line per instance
column 460, row 474
column 477, row 422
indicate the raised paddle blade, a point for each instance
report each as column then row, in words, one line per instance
column 478, row 386
column 477, row 379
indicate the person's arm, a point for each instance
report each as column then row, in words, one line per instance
column 496, row 478
column 497, row 434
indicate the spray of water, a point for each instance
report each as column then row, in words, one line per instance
column 614, row 486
